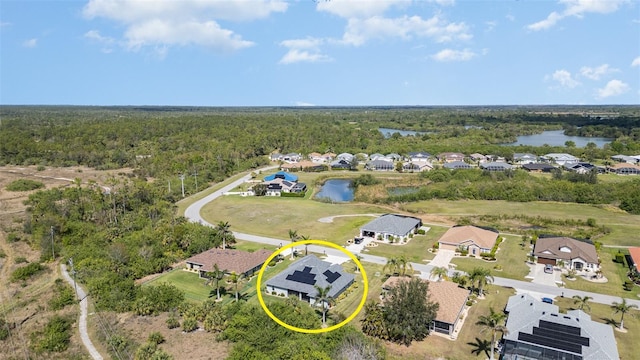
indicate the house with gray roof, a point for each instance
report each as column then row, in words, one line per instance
column 537, row 330
column 380, row 164
column 455, row 165
column 419, row 156
column 391, row 226
column 496, row 166
column 561, row 158
column 524, row 158
column 301, row 278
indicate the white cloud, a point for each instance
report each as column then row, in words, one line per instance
column 295, row 56
column 577, row 8
column 564, row 78
column 162, row 24
column 302, row 103
column 444, row 2
column 597, row 72
column 106, row 41
column 636, row 62
column 359, row 31
column 490, row 25
column 30, row 43
column 359, row 8
column 4, row 23
column 454, row 55
column 308, row 43
column 613, row 88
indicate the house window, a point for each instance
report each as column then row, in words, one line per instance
column 474, row 251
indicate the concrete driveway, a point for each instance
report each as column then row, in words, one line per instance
column 538, row 276
column 442, row 258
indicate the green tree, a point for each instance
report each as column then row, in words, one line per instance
column 324, row 301
column 225, row 234
column 215, row 276
column 407, row 311
column 440, row 272
column 293, row 236
column 494, row 323
column 481, row 277
column 582, row 302
column 622, row 307
column 373, row 321
column 236, row 280
column 392, row 266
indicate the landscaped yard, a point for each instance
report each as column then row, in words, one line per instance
column 416, row 250
column 511, row 256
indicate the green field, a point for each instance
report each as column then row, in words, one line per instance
column 510, row 255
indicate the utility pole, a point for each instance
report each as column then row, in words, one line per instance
column 195, row 175
column 182, row 182
column 169, row 181
column 73, row 273
column 53, row 250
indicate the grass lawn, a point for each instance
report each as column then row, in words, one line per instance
column 511, row 256
column 627, row 341
column 616, row 275
column 624, row 227
column 189, row 283
column 416, row 250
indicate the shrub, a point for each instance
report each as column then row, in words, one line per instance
column 156, row 338
column 272, row 263
column 619, row 258
column 25, row 272
column 13, row 237
column 172, row 322
column 2, row 254
column 4, row 329
column 420, row 232
column 24, row 185
column 189, row 324
column 55, row 337
column 628, row 285
column 154, row 299
column 63, row 295
column 21, row 260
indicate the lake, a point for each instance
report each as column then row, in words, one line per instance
column 388, row 132
column 336, row 190
column 558, row 138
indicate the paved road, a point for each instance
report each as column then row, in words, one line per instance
column 193, row 214
column 84, row 335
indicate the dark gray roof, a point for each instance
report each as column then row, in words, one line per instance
column 457, row 165
column 310, row 271
column 393, row 224
column 496, row 166
column 526, row 312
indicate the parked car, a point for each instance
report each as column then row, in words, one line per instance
column 547, row 300
column 548, row 269
column 358, row 240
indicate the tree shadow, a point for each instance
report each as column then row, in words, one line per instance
column 481, row 346
column 610, row 321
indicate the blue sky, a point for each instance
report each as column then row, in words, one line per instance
column 323, row 53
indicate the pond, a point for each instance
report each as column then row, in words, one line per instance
column 336, row 190
column 388, row 132
column 558, row 138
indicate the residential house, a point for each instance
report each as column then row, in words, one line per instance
column 419, row 156
column 275, row 157
column 389, row 227
column 537, row 330
column 340, row 164
column 634, row 254
column 228, row 260
column 625, row 169
column 281, row 175
column 471, row 238
column 583, row 168
column 451, row 300
column 417, row 166
column 478, row 158
column 538, row 167
column 376, row 156
column 626, row 159
column 574, row 254
column 447, row 157
column 304, row 165
column 291, row 157
column 316, row 157
column 524, row 158
column 393, row 157
column 301, row 278
column 345, row 156
column 496, row 166
column 328, row 156
column 561, row 158
column 380, row 164
column 456, row 165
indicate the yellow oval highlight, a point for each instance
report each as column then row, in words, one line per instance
column 312, row 331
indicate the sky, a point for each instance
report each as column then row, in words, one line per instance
column 319, row 53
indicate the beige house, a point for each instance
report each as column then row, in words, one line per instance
column 451, row 300
column 474, row 239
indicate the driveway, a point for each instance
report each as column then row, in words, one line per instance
column 538, row 276
column 443, row 258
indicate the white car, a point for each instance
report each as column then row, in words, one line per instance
column 548, row 268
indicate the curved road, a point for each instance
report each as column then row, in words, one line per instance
column 193, row 214
column 82, row 322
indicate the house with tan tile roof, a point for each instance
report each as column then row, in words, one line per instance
column 228, row 260
column 451, row 300
column 575, row 254
column 472, row 238
column 634, row 252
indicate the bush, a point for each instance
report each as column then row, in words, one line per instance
column 172, row 322
column 619, row 258
column 154, row 299
column 25, row 272
column 189, row 324
column 55, row 337
column 24, row 185
column 420, row 232
column 156, row 338
column 63, row 295
column 13, row 237
column 628, row 285
column 4, row 329
column 21, row 260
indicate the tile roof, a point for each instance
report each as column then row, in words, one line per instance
column 550, row 247
column 394, row 224
column 448, row 295
column 303, row 275
column 635, row 256
column 230, row 260
column 459, row 234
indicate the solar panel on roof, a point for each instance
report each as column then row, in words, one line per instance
column 559, row 327
column 331, row 276
column 305, row 276
column 550, row 342
column 577, row 339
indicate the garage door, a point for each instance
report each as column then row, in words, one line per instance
column 545, row 261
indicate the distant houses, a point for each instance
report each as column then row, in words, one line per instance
column 228, row 260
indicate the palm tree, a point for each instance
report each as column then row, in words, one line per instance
column 493, row 322
column 622, row 308
column 293, row 235
column 440, row 272
column 215, row 276
column 303, row 237
column 582, row 302
column 482, row 277
column 222, row 230
column 391, row 266
column 323, row 299
column 359, row 258
column 404, row 265
column 236, row 280
column 373, row 321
